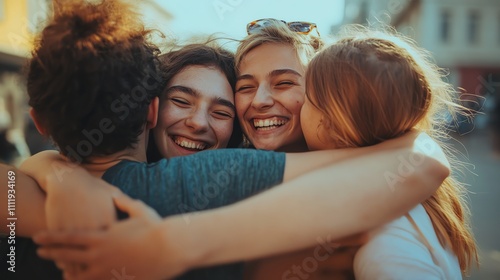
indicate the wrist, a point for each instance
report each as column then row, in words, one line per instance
column 178, row 245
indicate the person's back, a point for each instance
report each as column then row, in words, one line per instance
column 94, row 64
column 171, row 187
column 204, row 180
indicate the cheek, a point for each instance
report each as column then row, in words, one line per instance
column 170, row 115
column 223, row 130
column 310, row 123
column 305, row 121
column 298, row 106
column 242, row 103
column 295, row 102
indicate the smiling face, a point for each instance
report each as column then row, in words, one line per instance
column 269, row 94
column 196, row 112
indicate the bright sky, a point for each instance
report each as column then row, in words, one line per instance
column 194, row 17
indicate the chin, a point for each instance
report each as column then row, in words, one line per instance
column 267, row 146
column 312, row 148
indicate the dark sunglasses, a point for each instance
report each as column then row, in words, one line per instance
column 301, row 27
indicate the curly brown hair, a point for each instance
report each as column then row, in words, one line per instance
column 92, row 76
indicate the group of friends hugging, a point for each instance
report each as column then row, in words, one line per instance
column 289, row 159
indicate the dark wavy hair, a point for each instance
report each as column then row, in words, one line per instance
column 92, row 76
column 206, row 54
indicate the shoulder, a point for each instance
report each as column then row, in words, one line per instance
column 235, row 153
column 396, row 252
column 237, row 161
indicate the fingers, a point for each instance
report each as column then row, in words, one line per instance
column 68, row 275
column 134, row 207
column 353, row 240
column 66, row 255
column 341, row 260
column 81, row 239
column 90, row 273
column 61, row 265
column 126, row 204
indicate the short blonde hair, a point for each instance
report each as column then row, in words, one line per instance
column 277, row 32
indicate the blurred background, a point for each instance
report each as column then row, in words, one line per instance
column 462, row 35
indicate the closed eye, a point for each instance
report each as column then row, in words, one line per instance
column 243, row 88
column 223, row 115
column 285, row 83
column 180, row 101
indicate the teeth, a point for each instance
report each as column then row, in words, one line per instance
column 268, row 123
column 189, row 144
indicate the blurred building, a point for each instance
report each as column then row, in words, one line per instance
column 19, row 20
column 462, row 35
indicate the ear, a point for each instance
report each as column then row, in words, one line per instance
column 153, row 113
column 37, row 123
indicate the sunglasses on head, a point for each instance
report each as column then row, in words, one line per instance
column 301, row 27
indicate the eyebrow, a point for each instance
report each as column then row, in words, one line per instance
column 278, row 72
column 195, row 93
column 273, row 73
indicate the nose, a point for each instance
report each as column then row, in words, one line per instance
column 198, row 121
column 263, row 98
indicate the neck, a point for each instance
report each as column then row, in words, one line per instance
column 296, row 147
column 99, row 164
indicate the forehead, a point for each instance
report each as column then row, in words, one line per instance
column 208, row 81
column 270, row 56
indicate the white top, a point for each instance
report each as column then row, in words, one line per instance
column 396, row 251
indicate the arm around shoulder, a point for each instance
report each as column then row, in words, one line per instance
column 421, row 144
column 22, row 199
column 334, row 202
column 75, row 198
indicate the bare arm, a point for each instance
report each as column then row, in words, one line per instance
column 69, row 207
column 298, row 164
column 334, row 202
column 78, row 200
column 84, row 201
column 337, row 201
column 28, row 202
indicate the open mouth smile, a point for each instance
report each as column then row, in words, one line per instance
column 189, row 144
column 269, row 123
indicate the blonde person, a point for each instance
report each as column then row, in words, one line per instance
column 271, row 64
column 371, row 86
column 270, row 89
column 199, row 77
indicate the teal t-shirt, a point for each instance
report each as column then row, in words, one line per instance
column 205, row 180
